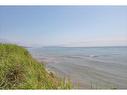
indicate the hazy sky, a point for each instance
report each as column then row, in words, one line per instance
column 64, row 25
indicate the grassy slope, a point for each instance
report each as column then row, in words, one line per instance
column 18, row 70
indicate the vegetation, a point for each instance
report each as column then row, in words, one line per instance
column 18, row 70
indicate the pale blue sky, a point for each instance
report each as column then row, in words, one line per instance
column 64, row 25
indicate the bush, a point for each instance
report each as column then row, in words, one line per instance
column 18, row 70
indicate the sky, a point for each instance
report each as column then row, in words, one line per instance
column 64, row 25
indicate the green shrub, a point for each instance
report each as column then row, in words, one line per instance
column 18, row 70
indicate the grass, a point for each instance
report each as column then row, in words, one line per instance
column 18, row 70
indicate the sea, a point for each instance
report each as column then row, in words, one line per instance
column 87, row 67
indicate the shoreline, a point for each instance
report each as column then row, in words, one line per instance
column 86, row 72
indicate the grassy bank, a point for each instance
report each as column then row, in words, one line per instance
column 18, row 70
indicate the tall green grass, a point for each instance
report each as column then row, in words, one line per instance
column 18, row 70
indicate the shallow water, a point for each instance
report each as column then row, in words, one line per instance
column 88, row 67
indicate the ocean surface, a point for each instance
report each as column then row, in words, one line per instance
column 87, row 67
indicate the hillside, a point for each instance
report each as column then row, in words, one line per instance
column 18, row 70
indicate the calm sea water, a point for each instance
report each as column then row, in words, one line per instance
column 93, row 67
